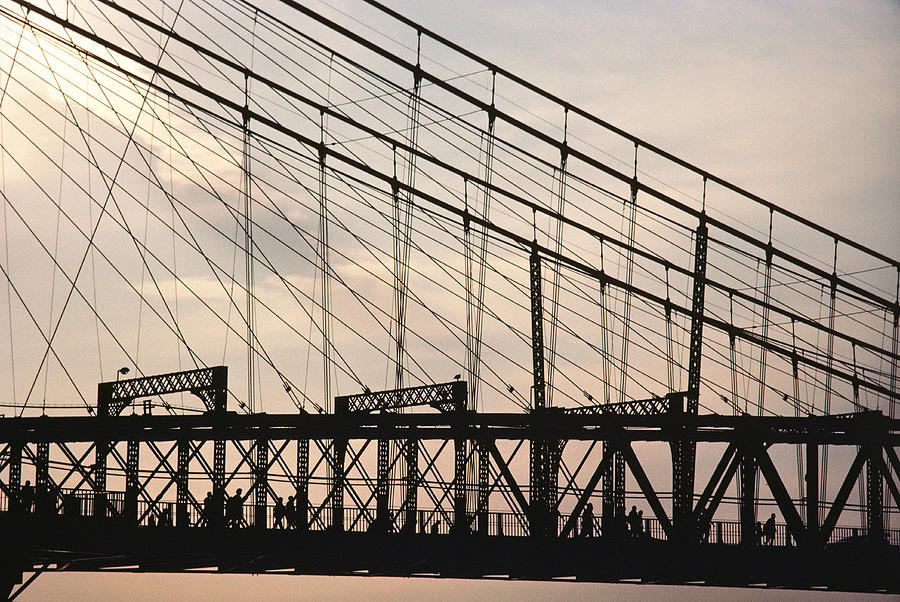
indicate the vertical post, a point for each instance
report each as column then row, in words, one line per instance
column 748, row 497
column 608, row 521
column 412, row 484
column 182, row 518
column 812, row 493
column 539, row 491
column 619, row 487
column 301, row 500
column 339, row 444
column 337, row 496
column 460, row 524
column 15, row 475
column 382, row 511
column 220, row 400
column 684, row 450
column 874, row 496
column 42, row 479
column 100, row 453
column 484, row 471
column 262, row 484
column 131, row 481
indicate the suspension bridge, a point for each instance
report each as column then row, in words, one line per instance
column 361, row 302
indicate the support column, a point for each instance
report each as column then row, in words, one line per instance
column 182, row 518
column 131, row 481
column 382, row 490
column 812, row 494
column 15, row 475
column 460, row 523
column 261, row 486
column 543, row 485
column 301, row 500
column 339, row 445
column 748, row 497
column 609, row 519
column 484, row 471
column 100, row 454
column 684, row 450
column 412, row 484
column 874, row 497
column 337, row 492
column 44, row 497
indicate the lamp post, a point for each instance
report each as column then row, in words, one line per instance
column 123, row 371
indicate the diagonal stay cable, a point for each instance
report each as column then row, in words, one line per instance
column 96, row 228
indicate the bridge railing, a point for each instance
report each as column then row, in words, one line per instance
column 81, row 502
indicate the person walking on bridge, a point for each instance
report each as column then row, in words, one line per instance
column 769, row 530
column 587, row 521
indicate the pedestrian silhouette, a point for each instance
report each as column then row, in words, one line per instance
column 633, row 522
column 587, row 521
column 640, row 524
column 769, row 530
column 208, row 504
column 279, row 513
column 234, row 509
column 290, row 513
column 435, row 527
column 27, row 496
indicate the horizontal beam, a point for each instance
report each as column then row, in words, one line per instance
column 854, row 429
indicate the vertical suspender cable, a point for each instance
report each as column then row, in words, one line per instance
column 829, row 362
column 670, row 356
column 767, row 289
column 403, row 220
column 560, row 194
column 248, row 246
column 475, row 290
column 795, row 369
column 606, row 361
column 631, row 214
column 324, row 275
column 892, row 401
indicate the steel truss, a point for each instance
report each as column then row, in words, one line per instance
column 176, row 469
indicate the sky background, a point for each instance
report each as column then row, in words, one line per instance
column 794, row 101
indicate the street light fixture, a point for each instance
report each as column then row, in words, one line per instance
column 124, row 370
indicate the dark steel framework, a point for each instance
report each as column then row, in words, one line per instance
column 750, row 444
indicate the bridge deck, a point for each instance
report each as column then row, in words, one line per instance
column 90, row 544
